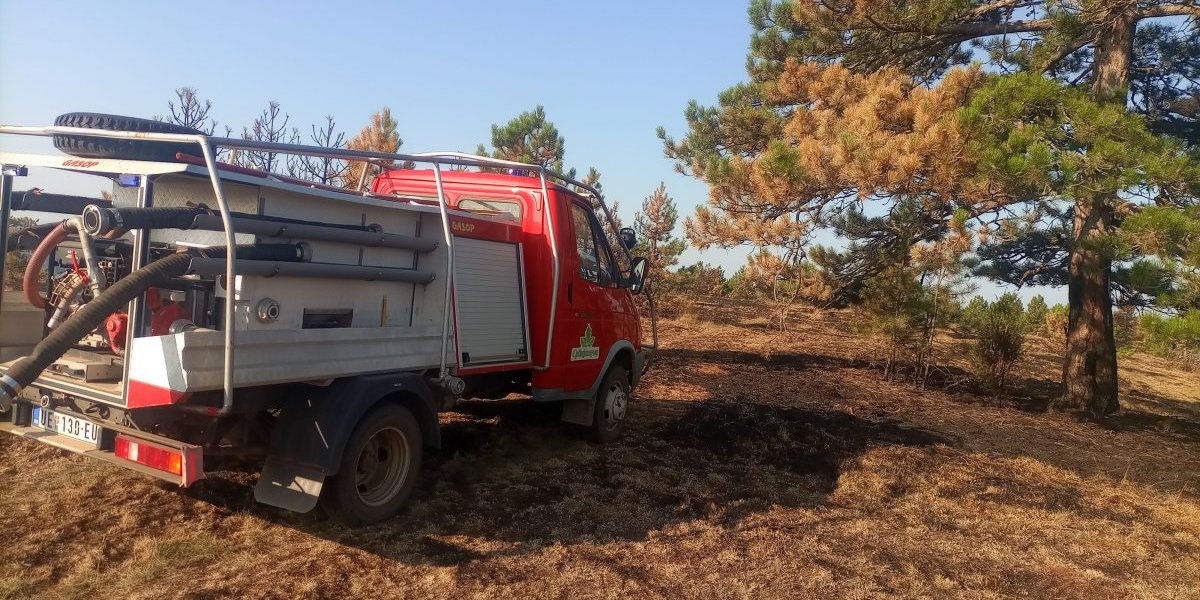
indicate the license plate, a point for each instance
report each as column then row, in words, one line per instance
column 64, row 424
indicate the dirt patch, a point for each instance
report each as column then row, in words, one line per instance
column 756, row 464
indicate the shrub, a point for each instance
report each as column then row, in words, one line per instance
column 1124, row 327
column 999, row 330
column 1174, row 337
column 16, row 261
column 973, row 311
column 1036, row 313
column 700, row 279
column 1055, row 325
column 896, row 307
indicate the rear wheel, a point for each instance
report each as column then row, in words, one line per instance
column 612, row 402
column 378, row 469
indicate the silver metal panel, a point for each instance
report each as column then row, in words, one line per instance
column 20, row 326
column 428, row 300
column 375, row 303
column 123, row 197
column 184, row 190
column 393, row 217
column 192, row 361
column 489, row 306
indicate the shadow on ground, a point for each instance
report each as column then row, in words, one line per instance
column 512, row 475
column 1172, row 418
column 799, row 361
column 512, row 480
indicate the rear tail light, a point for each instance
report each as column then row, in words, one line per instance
column 151, row 456
column 185, row 463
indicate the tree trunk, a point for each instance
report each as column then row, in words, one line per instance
column 1090, row 369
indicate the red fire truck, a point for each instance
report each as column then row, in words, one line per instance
column 208, row 309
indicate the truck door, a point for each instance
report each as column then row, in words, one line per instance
column 587, row 333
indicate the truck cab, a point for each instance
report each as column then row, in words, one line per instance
column 589, row 318
column 206, row 309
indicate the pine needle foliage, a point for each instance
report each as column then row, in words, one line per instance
column 999, row 330
column 655, row 228
column 380, row 135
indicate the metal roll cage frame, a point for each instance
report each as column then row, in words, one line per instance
column 209, row 146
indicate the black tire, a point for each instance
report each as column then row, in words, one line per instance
column 98, row 147
column 358, row 494
column 611, row 406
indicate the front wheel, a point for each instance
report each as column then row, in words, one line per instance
column 378, row 469
column 612, row 402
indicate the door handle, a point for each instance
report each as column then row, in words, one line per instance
column 570, row 292
column 584, row 314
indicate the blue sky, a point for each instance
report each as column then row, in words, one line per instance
column 608, row 73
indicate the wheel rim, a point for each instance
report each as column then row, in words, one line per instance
column 382, row 467
column 615, row 403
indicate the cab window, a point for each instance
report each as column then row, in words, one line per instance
column 619, row 262
column 606, row 261
column 492, row 207
column 585, row 244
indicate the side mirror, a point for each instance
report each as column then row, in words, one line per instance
column 637, row 274
column 628, row 238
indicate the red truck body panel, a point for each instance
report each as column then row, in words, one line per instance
column 593, row 315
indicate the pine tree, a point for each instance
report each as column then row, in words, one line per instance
column 1042, row 140
column 1035, row 314
column 894, row 307
column 528, row 138
column 784, row 157
column 324, row 170
column 379, row 135
column 913, row 286
column 769, row 276
column 799, row 54
column 999, row 330
column 655, row 227
column 593, row 179
column 271, row 125
column 188, row 110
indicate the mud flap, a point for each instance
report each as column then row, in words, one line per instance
column 288, row 484
column 579, row 411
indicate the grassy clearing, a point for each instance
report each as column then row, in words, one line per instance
column 790, row 472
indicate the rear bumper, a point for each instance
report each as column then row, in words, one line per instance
column 192, row 473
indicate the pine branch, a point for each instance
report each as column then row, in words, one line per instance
column 981, row 11
column 1187, row 9
column 1067, row 50
column 985, row 29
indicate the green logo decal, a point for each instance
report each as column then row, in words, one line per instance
column 587, row 349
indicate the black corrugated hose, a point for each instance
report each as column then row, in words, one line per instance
column 85, row 320
column 99, row 220
column 92, row 314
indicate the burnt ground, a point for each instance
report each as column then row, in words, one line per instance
column 756, row 464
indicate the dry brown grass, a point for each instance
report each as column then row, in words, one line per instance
column 758, row 464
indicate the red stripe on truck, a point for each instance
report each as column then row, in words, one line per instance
column 142, row 395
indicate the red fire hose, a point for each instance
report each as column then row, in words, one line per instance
column 33, row 271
